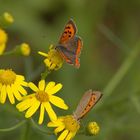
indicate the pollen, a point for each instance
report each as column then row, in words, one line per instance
column 7, row 77
column 71, row 124
column 42, row 96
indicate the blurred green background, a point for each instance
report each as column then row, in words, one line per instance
column 110, row 30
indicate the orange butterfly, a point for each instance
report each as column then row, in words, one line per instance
column 70, row 45
column 89, row 99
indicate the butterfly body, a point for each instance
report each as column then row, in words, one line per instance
column 89, row 99
column 70, row 45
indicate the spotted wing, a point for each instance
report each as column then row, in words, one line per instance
column 69, row 32
column 89, row 99
column 71, row 51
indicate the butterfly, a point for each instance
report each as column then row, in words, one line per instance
column 89, row 99
column 70, row 44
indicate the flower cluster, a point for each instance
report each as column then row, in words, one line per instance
column 41, row 97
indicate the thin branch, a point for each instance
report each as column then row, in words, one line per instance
column 13, row 127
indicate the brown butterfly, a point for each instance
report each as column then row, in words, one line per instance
column 89, row 99
column 70, row 45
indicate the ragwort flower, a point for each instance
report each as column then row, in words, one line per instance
column 54, row 60
column 11, row 85
column 3, row 40
column 66, row 126
column 42, row 97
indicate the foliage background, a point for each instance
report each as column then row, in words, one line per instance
column 110, row 30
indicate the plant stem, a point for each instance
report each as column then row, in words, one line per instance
column 26, row 131
column 8, row 53
column 45, row 74
column 41, row 129
column 116, row 79
column 13, row 127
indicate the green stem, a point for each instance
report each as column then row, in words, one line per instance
column 8, row 53
column 26, row 132
column 45, row 74
column 13, row 127
column 113, row 83
column 41, row 129
column 136, row 103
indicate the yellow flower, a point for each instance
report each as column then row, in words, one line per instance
column 42, row 97
column 3, row 40
column 93, row 128
column 25, row 49
column 66, row 125
column 53, row 60
column 8, row 17
column 11, row 84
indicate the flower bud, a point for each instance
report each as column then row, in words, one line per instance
column 92, row 129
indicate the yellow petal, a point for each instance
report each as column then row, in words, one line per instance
column 33, row 86
column 25, row 104
column 0, row 86
column 49, row 86
column 52, row 66
column 58, row 102
column 70, row 135
column 43, row 54
column 2, row 48
column 41, row 84
column 56, row 123
column 29, row 96
column 63, row 135
column 47, row 62
column 3, row 94
column 16, row 93
column 55, row 89
column 22, row 90
column 59, row 129
column 23, row 83
column 10, row 95
column 50, row 111
column 32, row 109
column 41, row 117
column 20, row 78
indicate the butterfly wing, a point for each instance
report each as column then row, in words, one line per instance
column 71, row 50
column 89, row 99
column 69, row 32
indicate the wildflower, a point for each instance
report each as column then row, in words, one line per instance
column 11, row 84
column 43, row 96
column 67, row 126
column 3, row 40
column 8, row 17
column 92, row 128
column 25, row 49
column 53, row 59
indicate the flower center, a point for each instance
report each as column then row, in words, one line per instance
column 7, row 77
column 55, row 57
column 42, row 96
column 71, row 124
